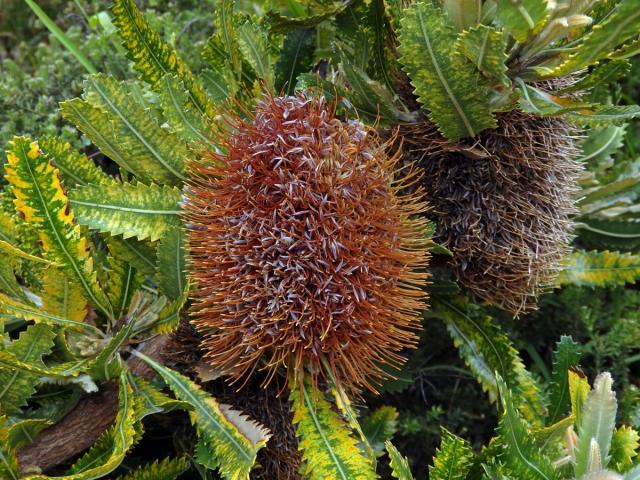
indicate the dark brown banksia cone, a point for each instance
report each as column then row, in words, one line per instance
column 502, row 203
column 304, row 252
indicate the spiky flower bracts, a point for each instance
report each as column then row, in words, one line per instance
column 305, row 253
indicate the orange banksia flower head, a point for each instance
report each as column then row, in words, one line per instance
column 305, row 251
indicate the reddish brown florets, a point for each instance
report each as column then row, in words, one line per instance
column 303, row 248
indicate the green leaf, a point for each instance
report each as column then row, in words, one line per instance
column 152, row 400
column 296, row 57
column 599, row 269
column 618, row 234
column 445, row 83
column 538, row 102
column 603, row 115
column 153, row 58
column 486, row 48
column 9, row 467
column 254, row 46
column 618, row 27
column 16, row 387
column 169, row 318
column 486, row 349
column 167, row 469
column 464, row 14
column 379, row 426
column 107, row 363
column 142, row 211
column 171, row 267
column 369, row 95
column 184, row 119
column 399, row 465
column 522, row 18
column 453, row 459
column 63, row 297
column 329, row 450
column 566, row 356
column 154, row 153
column 231, row 440
column 41, row 199
column 140, row 254
column 624, row 448
column 8, row 282
column 31, row 312
column 601, row 143
column 521, row 455
column 579, row 388
column 598, row 423
column 602, row 74
column 124, row 280
column 281, row 24
column 109, row 451
column 23, row 432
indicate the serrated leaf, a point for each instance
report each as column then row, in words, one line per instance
column 601, row 75
column 281, row 24
column 521, row 455
column 598, row 422
column 565, row 357
column 169, row 318
column 601, row 143
column 369, row 95
column 618, row 27
column 155, row 154
column 8, row 282
column 109, row 451
column 171, row 267
column 538, row 102
column 329, row 450
column 141, row 211
column 31, row 312
column 602, row 115
column 486, row 349
column 23, row 432
column 254, row 46
column 486, row 48
column 599, row 269
column 140, row 254
column 579, row 388
column 453, row 459
column 153, row 58
column 230, row 438
column 124, row 280
column 16, row 386
column 63, row 297
column 184, row 119
column 624, row 448
column 399, row 465
column 152, row 400
column 522, row 18
column 296, row 57
column 9, row 468
column 445, row 83
column 75, row 168
column 107, row 364
column 379, row 426
column 167, row 469
column 618, row 234
column 44, row 204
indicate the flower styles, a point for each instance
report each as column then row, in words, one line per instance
column 306, row 251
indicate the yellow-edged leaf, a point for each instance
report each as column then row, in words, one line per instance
column 40, row 199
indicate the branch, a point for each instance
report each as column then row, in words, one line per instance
column 93, row 415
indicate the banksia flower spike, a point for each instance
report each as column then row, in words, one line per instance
column 304, row 250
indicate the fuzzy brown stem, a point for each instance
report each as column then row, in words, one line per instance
column 94, row 414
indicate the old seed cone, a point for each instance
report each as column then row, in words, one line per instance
column 502, row 203
column 304, row 252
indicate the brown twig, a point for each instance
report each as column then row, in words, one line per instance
column 93, row 415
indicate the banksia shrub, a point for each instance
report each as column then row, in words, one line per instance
column 305, row 253
column 502, row 203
